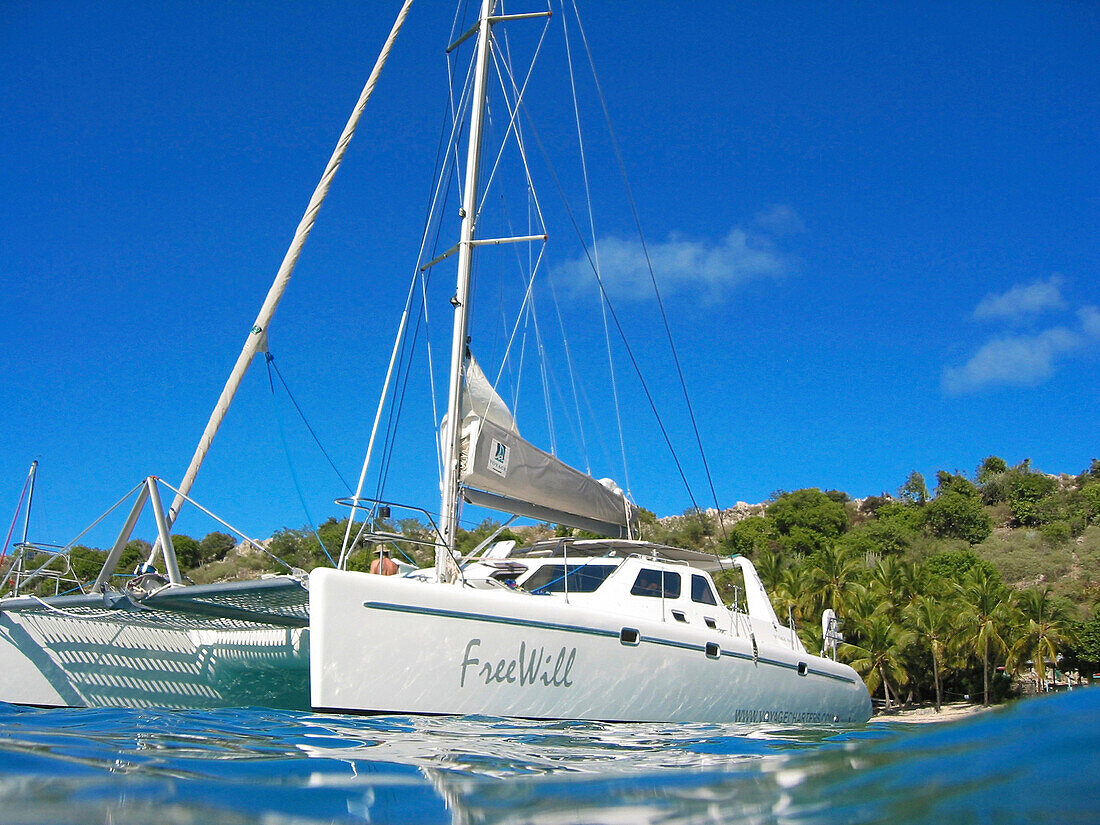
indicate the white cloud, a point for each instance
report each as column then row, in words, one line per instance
column 780, row 220
column 1015, row 361
column 706, row 267
column 1090, row 320
column 1022, row 360
column 1023, row 300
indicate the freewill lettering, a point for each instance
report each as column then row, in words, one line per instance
column 532, row 666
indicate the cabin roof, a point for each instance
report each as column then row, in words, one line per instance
column 560, row 547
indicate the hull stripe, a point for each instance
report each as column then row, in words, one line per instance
column 586, row 631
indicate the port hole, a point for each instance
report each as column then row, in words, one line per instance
column 802, row 669
column 713, row 625
column 713, row 650
column 679, row 616
column 629, row 636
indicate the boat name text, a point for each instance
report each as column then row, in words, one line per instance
column 533, row 666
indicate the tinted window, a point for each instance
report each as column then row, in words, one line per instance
column 583, row 578
column 700, row 590
column 648, row 583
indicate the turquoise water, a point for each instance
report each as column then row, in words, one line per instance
column 1032, row 762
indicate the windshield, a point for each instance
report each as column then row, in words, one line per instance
column 583, row 578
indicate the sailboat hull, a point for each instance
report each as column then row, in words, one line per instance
column 191, row 650
column 53, row 661
column 388, row 644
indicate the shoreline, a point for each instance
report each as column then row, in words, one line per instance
column 923, row 714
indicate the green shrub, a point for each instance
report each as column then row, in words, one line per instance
column 956, row 515
column 1090, row 495
column 215, row 546
column 187, row 552
column 86, row 562
column 954, row 483
column 907, row 516
column 1024, row 492
column 883, row 537
column 954, row 565
column 811, row 510
column 801, row 541
column 750, row 536
column 990, row 468
column 1056, row 532
column 1026, row 557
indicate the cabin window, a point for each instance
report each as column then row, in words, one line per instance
column 680, row 616
column 583, row 578
column 701, row 591
column 656, row 583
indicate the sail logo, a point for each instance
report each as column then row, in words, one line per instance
column 533, row 666
column 498, row 458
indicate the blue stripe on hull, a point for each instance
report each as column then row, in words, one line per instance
column 586, row 631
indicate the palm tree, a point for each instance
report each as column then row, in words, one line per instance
column 769, row 566
column 1047, row 628
column 860, row 603
column 832, row 576
column 793, row 591
column 895, row 583
column 879, row 656
column 931, row 619
column 986, row 615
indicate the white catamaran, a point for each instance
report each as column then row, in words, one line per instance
column 615, row 629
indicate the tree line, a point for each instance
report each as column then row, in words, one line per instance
column 924, row 615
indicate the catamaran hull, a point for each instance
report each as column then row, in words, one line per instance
column 231, row 644
column 387, row 644
column 52, row 660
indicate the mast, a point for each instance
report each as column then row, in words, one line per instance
column 453, row 432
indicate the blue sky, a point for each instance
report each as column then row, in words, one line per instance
column 875, row 229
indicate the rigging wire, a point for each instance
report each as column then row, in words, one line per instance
column 286, row 449
column 438, row 193
column 607, row 307
column 399, row 344
column 595, row 254
column 540, row 346
column 571, row 370
column 614, row 316
column 273, row 366
column 512, row 107
column 649, row 264
column 15, row 516
column 534, row 211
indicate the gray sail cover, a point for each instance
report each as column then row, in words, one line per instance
column 497, row 460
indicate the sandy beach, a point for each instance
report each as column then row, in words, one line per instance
column 949, row 711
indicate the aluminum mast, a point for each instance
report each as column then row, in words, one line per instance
column 453, row 432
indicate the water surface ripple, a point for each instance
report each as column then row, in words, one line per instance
column 1035, row 761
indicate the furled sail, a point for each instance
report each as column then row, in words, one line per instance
column 501, row 471
column 480, row 399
